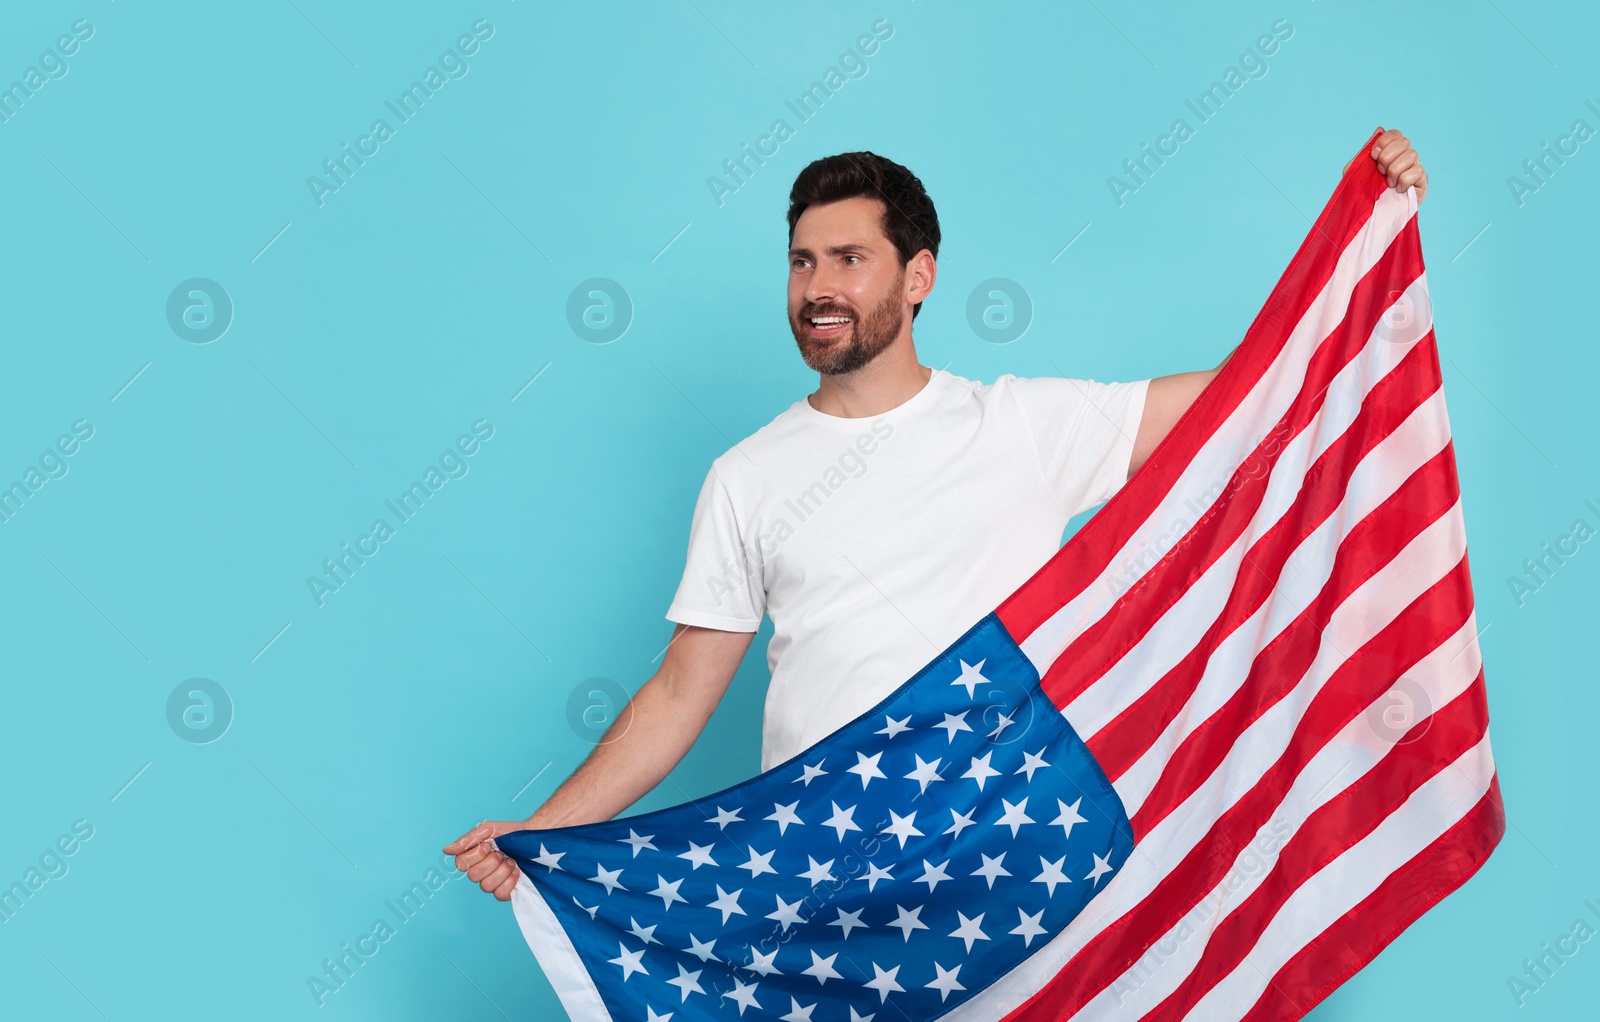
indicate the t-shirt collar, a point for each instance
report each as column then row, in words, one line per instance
column 936, row 381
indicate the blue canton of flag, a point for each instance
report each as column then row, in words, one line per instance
column 917, row 854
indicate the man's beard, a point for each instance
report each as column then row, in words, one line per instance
column 867, row 337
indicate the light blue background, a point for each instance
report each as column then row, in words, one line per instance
column 372, row 331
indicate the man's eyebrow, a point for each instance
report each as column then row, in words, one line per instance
column 854, row 246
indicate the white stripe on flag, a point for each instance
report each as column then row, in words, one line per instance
column 1305, row 573
column 1430, row 555
column 1339, row 886
column 1183, row 625
column 1426, row 559
column 1240, row 433
column 1442, row 675
column 559, row 960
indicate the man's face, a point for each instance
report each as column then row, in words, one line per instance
column 847, row 299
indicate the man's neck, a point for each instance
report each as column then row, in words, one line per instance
column 888, row 381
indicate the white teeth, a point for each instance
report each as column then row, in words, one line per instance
column 830, row 320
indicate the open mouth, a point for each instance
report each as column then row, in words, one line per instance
column 828, row 326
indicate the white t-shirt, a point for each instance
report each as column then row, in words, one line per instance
column 875, row 542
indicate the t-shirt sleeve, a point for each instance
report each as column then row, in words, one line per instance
column 722, row 584
column 1083, row 431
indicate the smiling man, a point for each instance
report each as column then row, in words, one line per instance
column 875, row 519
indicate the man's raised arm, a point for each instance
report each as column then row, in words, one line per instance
column 651, row 734
column 1165, row 401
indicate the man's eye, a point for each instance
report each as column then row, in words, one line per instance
column 856, row 258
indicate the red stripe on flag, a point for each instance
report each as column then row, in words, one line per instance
column 1100, row 645
column 1431, row 745
column 1122, row 741
column 1341, row 950
column 1360, row 680
column 1415, row 632
column 1078, row 563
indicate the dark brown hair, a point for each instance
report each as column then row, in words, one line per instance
column 909, row 219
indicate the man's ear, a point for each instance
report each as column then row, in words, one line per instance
column 921, row 272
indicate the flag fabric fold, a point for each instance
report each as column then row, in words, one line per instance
column 1212, row 757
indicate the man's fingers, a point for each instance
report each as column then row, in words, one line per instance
column 503, row 892
column 472, row 856
column 1402, row 162
column 1391, row 151
column 481, row 832
column 486, row 866
column 494, row 879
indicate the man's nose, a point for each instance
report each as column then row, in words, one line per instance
column 821, row 289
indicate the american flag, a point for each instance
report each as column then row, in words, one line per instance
column 1211, row 758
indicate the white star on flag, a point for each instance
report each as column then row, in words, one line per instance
column 969, row 930
column 925, row 773
column 1101, row 868
column 908, row 921
column 849, row 921
column 723, row 818
column 954, row 722
column 760, row 862
column 728, row 903
column 785, row 815
column 822, row 968
column 1003, row 721
column 744, row 995
column 668, row 893
column 787, row 913
column 811, row 773
column 893, row 727
column 970, row 677
column 1029, row 928
column 884, row 982
column 876, row 873
column 962, row 822
column 631, row 961
column 702, row 949
column 644, row 933
column 608, row 878
column 1052, row 874
column 797, row 1013
column 700, row 855
column 902, row 826
column 866, row 767
column 980, row 770
column 991, row 869
column 688, row 982
column 819, row 871
column 1068, row 817
column 547, row 858
column 762, row 963
column 931, row 874
column 1014, row 816
column 946, row 982
column 636, row 841
column 840, row 820
column 1031, row 761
